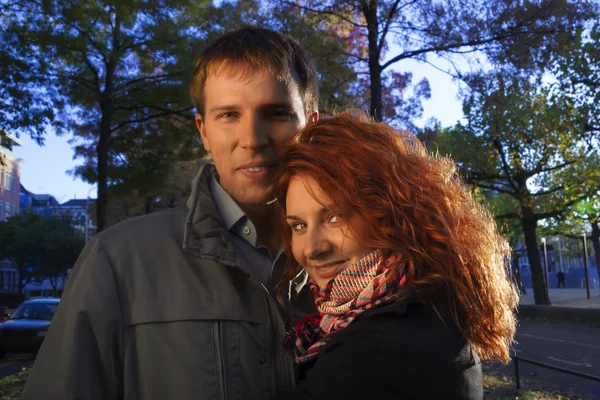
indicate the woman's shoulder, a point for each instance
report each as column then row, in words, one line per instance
column 408, row 330
column 396, row 351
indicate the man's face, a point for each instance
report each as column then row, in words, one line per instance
column 245, row 117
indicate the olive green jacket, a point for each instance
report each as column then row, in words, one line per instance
column 160, row 307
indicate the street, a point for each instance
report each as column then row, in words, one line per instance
column 12, row 363
column 568, row 346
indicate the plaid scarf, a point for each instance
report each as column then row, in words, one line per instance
column 358, row 288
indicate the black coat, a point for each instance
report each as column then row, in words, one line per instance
column 396, row 351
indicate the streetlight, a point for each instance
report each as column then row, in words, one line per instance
column 585, row 265
column 545, row 264
column 87, row 215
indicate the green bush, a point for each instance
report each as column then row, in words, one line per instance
column 11, row 300
column 12, row 386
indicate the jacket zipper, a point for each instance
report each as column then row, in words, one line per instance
column 283, row 319
column 220, row 365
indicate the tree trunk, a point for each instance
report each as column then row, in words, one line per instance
column 102, row 153
column 149, row 207
column 370, row 12
column 21, row 281
column 596, row 242
column 516, row 273
column 106, row 108
column 529, row 224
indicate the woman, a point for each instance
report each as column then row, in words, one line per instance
column 408, row 272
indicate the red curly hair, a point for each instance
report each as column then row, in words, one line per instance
column 415, row 206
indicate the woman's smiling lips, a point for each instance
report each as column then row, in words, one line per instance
column 329, row 270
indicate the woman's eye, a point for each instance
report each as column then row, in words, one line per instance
column 298, row 226
column 335, row 218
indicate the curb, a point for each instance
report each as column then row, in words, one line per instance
column 585, row 316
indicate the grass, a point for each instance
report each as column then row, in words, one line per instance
column 11, row 386
column 505, row 388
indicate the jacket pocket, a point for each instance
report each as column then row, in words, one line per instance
column 182, row 308
column 184, row 348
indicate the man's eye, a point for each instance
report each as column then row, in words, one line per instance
column 227, row 115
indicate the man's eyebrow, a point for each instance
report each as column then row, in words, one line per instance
column 268, row 106
column 221, row 108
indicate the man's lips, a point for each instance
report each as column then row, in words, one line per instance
column 256, row 168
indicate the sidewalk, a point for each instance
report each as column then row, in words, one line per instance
column 576, row 298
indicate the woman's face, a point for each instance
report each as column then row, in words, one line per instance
column 322, row 242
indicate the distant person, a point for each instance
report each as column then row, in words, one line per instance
column 561, row 278
column 408, row 271
column 178, row 304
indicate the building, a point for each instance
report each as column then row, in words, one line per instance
column 76, row 211
column 9, row 277
column 41, row 204
column 10, row 173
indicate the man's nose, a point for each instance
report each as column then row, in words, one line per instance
column 254, row 132
column 317, row 245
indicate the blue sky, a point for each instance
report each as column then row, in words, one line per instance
column 44, row 169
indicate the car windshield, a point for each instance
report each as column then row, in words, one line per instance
column 41, row 311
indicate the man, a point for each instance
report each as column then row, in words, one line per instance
column 176, row 305
column 561, row 279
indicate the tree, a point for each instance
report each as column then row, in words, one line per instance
column 40, row 247
column 523, row 32
column 115, row 66
column 578, row 73
column 24, row 104
column 528, row 150
column 20, row 244
column 59, row 249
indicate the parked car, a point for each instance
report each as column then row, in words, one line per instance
column 25, row 329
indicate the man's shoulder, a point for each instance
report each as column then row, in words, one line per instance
column 145, row 229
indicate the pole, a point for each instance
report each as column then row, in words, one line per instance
column 546, row 265
column 87, row 220
column 87, row 215
column 560, row 255
column 517, row 376
column 585, row 265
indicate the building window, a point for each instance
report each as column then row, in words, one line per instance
column 1, row 212
column 15, row 178
column 6, row 211
column 1, row 178
column 8, row 181
column 13, row 210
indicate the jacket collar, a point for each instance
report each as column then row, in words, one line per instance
column 204, row 235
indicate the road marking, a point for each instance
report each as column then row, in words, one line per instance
column 558, row 340
column 585, row 344
column 541, row 337
column 571, row 362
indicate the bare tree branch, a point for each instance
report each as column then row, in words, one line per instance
column 505, row 166
column 328, row 12
column 386, row 27
column 508, row 216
